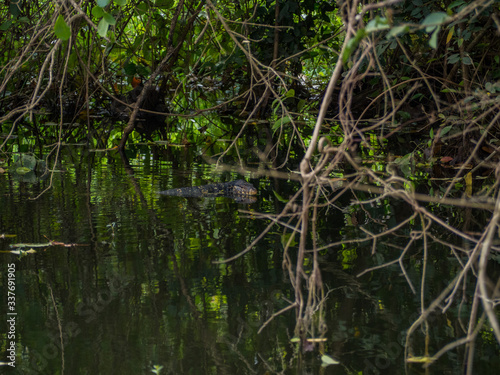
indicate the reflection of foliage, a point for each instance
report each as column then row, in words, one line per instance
column 25, row 167
column 411, row 79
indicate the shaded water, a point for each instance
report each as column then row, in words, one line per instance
column 138, row 288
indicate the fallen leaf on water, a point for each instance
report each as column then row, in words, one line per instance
column 420, row 359
column 327, row 360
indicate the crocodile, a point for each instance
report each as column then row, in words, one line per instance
column 240, row 190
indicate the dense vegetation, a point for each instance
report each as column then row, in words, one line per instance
column 399, row 98
column 426, row 68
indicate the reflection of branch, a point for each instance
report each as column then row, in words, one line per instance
column 403, row 253
column 288, row 207
column 426, row 312
column 59, row 326
column 464, row 340
column 277, row 313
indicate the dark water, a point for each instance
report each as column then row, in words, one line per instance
column 132, row 283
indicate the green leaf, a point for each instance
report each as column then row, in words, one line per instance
column 456, row 4
column 102, row 3
column 166, row 4
column 467, row 60
column 142, row 8
column 25, row 160
column 301, row 105
column 377, row 24
column 109, row 18
column 290, row 93
column 454, row 58
column 404, row 115
column 280, row 122
column 97, row 12
column 286, row 238
column 327, row 360
column 4, row 26
column 279, row 197
column 22, row 170
column 102, row 28
column 130, row 68
column 406, row 164
column 14, row 8
column 61, row 28
column 433, row 20
column 352, row 44
column 120, row 2
column 276, row 105
column 434, row 39
column 397, row 30
column 445, row 130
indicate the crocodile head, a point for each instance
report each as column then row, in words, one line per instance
column 243, row 188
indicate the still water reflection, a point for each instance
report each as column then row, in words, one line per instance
column 132, row 284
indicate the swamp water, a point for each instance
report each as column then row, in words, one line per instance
column 129, row 284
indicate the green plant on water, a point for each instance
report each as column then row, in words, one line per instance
column 25, row 167
column 156, row 369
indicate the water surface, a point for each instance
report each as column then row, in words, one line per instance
column 131, row 281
